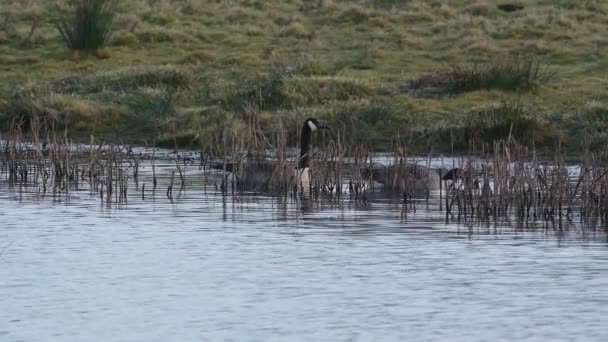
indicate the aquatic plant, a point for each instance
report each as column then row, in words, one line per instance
column 508, row 181
column 88, row 25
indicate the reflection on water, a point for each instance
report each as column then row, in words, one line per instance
column 260, row 268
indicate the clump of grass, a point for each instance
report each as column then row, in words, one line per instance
column 590, row 124
column 369, row 122
column 354, row 14
column 323, row 89
column 285, row 83
column 595, row 113
column 239, row 14
column 134, row 102
column 18, row 105
column 181, row 139
column 296, row 30
column 24, row 104
column 265, row 92
column 163, row 35
column 511, row 122
column 309, row 66
column 128, row 22
column 374, row 113
column 125, row 79
column 4, row 37
column 148, row 110
column 123, row 38
column 516, row 74
column 386, row 4
column 480, row 8
column 479, row 126
column 197, row 57
column 88, row 26
column 17, row 60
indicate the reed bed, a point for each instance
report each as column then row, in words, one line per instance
column 512, row 183
column 245, row 158
column 58, row 166
column 506, row 181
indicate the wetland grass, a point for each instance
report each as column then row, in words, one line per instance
column 512, row 181
column 208, row 57
column 507, row 74
column 508, row 181
column 61, row 166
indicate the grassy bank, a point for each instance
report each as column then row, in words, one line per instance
column 435, row 73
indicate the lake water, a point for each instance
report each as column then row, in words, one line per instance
column 261, row 268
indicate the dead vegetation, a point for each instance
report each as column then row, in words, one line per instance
column 504, row 181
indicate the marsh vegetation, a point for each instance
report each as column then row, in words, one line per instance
column 235, row 79
column 503, row 181
column 170, row 72
column 504, row 100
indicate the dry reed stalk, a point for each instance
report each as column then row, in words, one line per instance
column 154, row 180
column 279, row 181
column 182, row 175
column 170, row 187
column 109, row 178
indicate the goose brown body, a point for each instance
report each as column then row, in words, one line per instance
column 409, row 177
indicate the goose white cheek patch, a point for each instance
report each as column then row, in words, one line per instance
column 312, row 125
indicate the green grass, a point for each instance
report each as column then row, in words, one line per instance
column 502, row 121
column 515, row 74
column 589, row 125
column 172, row 68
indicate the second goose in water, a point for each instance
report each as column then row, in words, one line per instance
column 409, row 177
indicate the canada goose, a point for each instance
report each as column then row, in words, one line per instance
column 409, row 177
column 453, row 174
column 302, row 172
column 256, row 174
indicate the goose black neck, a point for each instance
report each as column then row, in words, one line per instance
column 305, row 146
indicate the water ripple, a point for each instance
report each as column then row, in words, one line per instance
column 260, row 268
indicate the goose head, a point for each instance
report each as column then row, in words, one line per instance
column 313, row 124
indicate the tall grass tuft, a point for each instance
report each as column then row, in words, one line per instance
column 590, row 124
column 88, row 26
column 514, row 74
column 506, row 121
column 265, row 92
